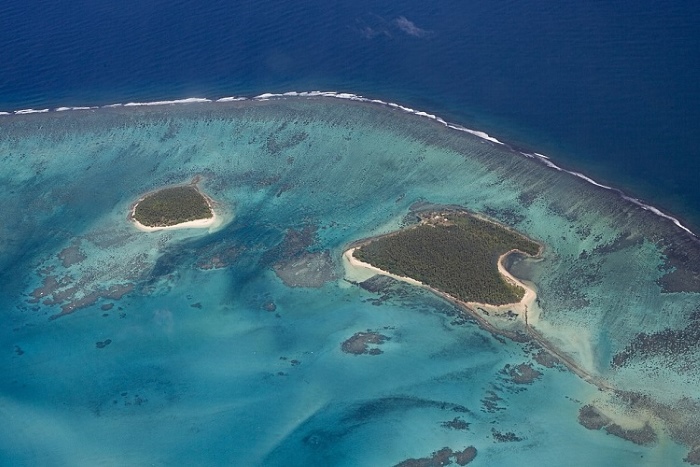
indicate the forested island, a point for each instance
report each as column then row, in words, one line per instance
column 454, row 252
column 172, row 206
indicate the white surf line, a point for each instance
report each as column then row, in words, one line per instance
column 30, row 111
column 658, row 212
column 231, row 99
column 358, row 98
column 540, row 157
column 64, row 109
column 631, row 199
column 189, row 100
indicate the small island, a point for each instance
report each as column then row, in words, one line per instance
column 455, row 253
column 174, row 207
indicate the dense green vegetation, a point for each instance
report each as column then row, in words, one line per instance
column 454, row 252
column 171, row 206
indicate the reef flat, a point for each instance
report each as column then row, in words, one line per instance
column 174, row 344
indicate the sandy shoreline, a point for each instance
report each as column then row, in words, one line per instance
column 356, row 263
column 524, row 307
column 207, row 223
column 196, row 224
column 521, row 308
column 357, row 271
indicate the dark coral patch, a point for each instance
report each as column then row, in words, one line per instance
column 444, row 456
column 71, row 255
column 103, row 344
column 642, row 436
column 505, row 437
column 669, row 343
column 360, row 342
column 456, row 424
column 593, row 419
column 522, row 374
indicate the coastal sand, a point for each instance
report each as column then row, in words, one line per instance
column 209, row 223
column 357, row 270
column 523, row 308
column 356, row 263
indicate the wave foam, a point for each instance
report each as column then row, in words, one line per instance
column 189, row 100
column 358, row 98
column 657, row 211
column 355, row 97
column 63, row 109
column 231, row 99
column 30, row 111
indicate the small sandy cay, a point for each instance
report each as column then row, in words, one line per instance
column 176, row 207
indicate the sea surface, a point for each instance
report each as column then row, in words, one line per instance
column 608, row 88
column 576, row 124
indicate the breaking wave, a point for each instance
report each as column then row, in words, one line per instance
column 358, row 98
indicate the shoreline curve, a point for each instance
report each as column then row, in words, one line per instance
column 521, row 306
column 471, row 310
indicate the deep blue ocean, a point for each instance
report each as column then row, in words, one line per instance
column 608, row 88
column 256, row 340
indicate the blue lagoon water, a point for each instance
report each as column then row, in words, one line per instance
column 226, row 345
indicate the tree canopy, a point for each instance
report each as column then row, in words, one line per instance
column 171, row 206
column 454, row 252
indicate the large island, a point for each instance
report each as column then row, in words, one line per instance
column 454, row 252
column 459, row 256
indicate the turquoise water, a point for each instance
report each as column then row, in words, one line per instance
column 187, row 347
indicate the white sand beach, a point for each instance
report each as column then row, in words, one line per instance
column 353, row 262
column 208, row 223
column 526, row 309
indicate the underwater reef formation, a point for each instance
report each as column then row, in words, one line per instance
column 360, row 343
column 444, row 456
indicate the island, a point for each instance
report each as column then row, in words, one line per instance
column 459, row 256
column 456, row 253
column 176, row 207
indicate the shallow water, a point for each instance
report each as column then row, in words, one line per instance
column 187, row 347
